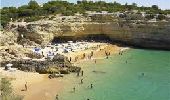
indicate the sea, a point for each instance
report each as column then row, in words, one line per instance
column 138, row 74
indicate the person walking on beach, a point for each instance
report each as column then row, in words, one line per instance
column 74, row 89
column 26, row 86
column 81, row 81
column 78, row 73
column 82, row 73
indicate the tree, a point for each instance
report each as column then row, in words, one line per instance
column 134, row 4
column 161, row 17
column 155, row 7
column 149, row 17
column 33, row 11
column 33, row 5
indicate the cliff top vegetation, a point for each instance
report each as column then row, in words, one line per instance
column 33, row 11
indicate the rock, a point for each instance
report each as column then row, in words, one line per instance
column 59, row 64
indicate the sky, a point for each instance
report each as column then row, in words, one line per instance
column 163, row 4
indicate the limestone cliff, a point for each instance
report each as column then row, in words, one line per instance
column 141, row 34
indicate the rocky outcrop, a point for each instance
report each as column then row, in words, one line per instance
column 16, row 52
column 58, row 64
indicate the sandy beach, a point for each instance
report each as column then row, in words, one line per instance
column 40, row 87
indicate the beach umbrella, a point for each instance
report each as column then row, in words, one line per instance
column 36, row 49
column 9, row 65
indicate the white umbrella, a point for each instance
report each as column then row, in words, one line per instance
column 9, row 65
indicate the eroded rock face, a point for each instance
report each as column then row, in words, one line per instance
column 143, row 34
column 8, row 37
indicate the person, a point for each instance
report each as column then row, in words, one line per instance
column 91, row 53
column 78, row 73
column 74, row 89
column 142, row 74
column 82, row 73
column 26, row 86
column 84, row 55
column 88, row 99
column 81, row 81
column 56, row 97
column 126, row 61
column 105, row 53
column 42, row 53
column 91, row 86
column 95, row 61
column 70, row 58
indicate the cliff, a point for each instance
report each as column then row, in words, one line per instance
column 144, row 34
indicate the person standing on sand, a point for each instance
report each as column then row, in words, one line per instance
column 84, row 55
column 70, row 58
column 26, row 86
column 91, row 53
column 82, row 73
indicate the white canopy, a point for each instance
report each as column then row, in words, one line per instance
column 9, row 65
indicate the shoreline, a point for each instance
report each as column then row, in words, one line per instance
column 40, row 87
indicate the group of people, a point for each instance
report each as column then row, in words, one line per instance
column 82, row 73
column 107, row 54
column 83, row 57
column 120, row 52
column 81, row 82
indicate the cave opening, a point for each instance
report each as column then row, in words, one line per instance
column 89, row 38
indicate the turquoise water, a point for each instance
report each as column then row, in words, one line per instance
column 124, row 81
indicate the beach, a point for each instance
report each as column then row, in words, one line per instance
column 40, row 87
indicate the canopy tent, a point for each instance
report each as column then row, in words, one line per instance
column 8, row 66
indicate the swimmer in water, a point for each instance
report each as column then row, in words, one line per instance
column 91, row 86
